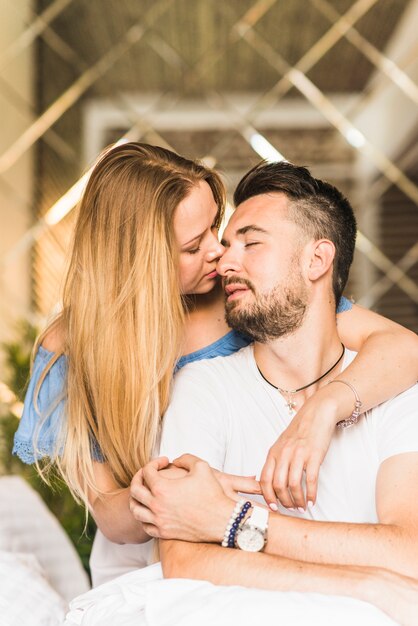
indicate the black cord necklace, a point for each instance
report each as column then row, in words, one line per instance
column 288, row 393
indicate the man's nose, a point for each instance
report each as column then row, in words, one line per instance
column 228, row 263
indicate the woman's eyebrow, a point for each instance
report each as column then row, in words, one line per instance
column 194, row 238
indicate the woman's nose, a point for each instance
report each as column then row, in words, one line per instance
column 216, row 250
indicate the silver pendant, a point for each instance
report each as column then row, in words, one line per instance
column 291, row 405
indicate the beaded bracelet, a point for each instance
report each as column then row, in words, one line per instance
column 353, row 419
column 240, row 511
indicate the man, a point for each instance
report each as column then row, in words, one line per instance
column 289, row 246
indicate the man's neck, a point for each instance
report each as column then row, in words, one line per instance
column 298, row 359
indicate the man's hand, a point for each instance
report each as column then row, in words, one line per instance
column 300, row 449
column 187, row 500
column 232, row 484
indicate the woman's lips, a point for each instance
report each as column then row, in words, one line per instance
column 212, row 274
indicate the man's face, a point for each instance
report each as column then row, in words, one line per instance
column 266, row 294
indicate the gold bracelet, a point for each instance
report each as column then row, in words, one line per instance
column 353, row 419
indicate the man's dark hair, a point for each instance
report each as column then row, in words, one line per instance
column 317, row 207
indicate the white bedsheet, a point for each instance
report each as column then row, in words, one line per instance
column 144, row 598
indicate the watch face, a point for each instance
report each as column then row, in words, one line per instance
column 250, row 539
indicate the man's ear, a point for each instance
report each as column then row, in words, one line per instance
column 322, row 255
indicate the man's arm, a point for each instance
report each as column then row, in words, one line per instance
column 176, row 509
column 396, row 595
column 225, row 566
column 392, row 543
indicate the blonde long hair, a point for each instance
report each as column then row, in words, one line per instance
column 123, row 313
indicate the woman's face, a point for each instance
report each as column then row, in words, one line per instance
column 197, row 239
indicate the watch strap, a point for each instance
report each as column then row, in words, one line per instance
column 259, row 518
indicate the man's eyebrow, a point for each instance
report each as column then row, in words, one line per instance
column 251, row 228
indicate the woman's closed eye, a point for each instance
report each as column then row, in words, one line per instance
column 196, row 249
column 193, row 250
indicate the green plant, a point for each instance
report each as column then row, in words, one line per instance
column 57, row 497
column 17, row 357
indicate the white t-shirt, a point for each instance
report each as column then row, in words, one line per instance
column 223, row 411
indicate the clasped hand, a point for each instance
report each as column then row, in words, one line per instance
column 186, row 500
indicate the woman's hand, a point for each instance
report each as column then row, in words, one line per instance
column 300, row 450
column 187, row 500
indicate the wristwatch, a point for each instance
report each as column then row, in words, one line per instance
column 252, row 536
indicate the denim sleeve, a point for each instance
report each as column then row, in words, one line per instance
column 344, row 305
column 226, row 345
column 51, row 403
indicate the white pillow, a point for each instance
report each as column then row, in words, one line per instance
column 27, row 526
column 26, row 597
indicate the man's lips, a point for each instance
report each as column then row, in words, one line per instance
column 234, row 290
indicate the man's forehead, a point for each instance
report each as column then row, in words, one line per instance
column 265, row 210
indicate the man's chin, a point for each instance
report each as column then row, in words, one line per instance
column 230, row 318
column 232, row 310
column 235, row 318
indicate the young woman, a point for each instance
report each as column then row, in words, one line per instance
column 141, row 298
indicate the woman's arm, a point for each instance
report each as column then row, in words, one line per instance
column 111, row 511
column 387, row 360
column 386, row 365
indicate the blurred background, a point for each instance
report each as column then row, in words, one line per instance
column 328, row 84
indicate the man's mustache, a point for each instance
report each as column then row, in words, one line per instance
column 237, row 281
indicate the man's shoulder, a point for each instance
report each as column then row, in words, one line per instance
column 396, row 416
column 407, row 398
column 412, row 392
column 409, row 395
column 394, row 424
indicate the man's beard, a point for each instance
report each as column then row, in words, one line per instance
column 272, row 315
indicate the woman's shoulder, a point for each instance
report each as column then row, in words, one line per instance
column 50, row 361
column 49, row 357
column 49, row 368
column 53, row 339
column 224, row 346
